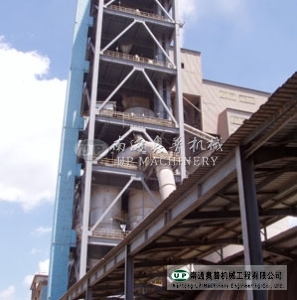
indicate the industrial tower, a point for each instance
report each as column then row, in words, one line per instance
column 125, row 98
column 136, row 118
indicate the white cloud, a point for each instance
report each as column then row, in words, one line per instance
column 27, row 281
column 41, row 231
column 231, row 10
column 8, row 294
column 43, row 266
column 187, row 8
column 228, row 7
column 34, row 251
column 31, row 110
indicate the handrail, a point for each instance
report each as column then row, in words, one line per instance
column 139, row 12
column 138, row 58
column 123, row 163
column 134, row 117
column 110, row 233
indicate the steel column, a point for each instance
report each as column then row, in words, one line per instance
column 89, row 293
column 129, row 275
column 164, row 10
column 179, row 93
column 249, row 216
column 157, row 42
column 159, row 97
column 91, row 134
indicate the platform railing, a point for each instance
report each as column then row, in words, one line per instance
column 139, row 59
column 110, row 233
column 135, row 117
column 139, row 12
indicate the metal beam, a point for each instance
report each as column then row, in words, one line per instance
column 104, row 153
column 249, row 217
column 89, row 293
column 129, row 275
column 153, row 198
column 116, row 89
column 160, row 68
column 91, row 134
column 179, row 104
column 132, row 129
column 159, row 45
column 109, row 3
column 160, row 98
column 115, row 170
column 140, row 18
column 169, row 261
column 194, row 243
column 268, row 154
column 190, row 103
column 128, row 123
column 278, row 252
column 236, row 214
column 164, row 10
column 118, row 36
column 275, row 202
column 199, row 133
column 139, row 275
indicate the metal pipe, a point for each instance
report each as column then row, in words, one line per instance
column 164, row 172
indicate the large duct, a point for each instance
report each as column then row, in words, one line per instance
column 164, row 172
column 140, row 205
column 101, row 197
column 126, row 48
column 137, row 105
column 141, row 111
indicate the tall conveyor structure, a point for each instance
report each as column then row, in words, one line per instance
column 138, row 116
column 124, row 109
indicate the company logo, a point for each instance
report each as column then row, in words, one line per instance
column 90, row 149
column 180, row 275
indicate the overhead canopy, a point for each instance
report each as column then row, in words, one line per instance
column 203, row 215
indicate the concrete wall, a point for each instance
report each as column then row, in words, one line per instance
column 224, row 107
column 239, row 102
column 191, row 72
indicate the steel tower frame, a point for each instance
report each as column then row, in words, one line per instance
column 101, row 73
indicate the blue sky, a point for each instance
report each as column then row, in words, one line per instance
column 244, row 42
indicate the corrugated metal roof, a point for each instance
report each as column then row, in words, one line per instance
column 192, row 238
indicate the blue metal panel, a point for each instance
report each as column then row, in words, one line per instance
column 43, row 293
column 62, row 238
